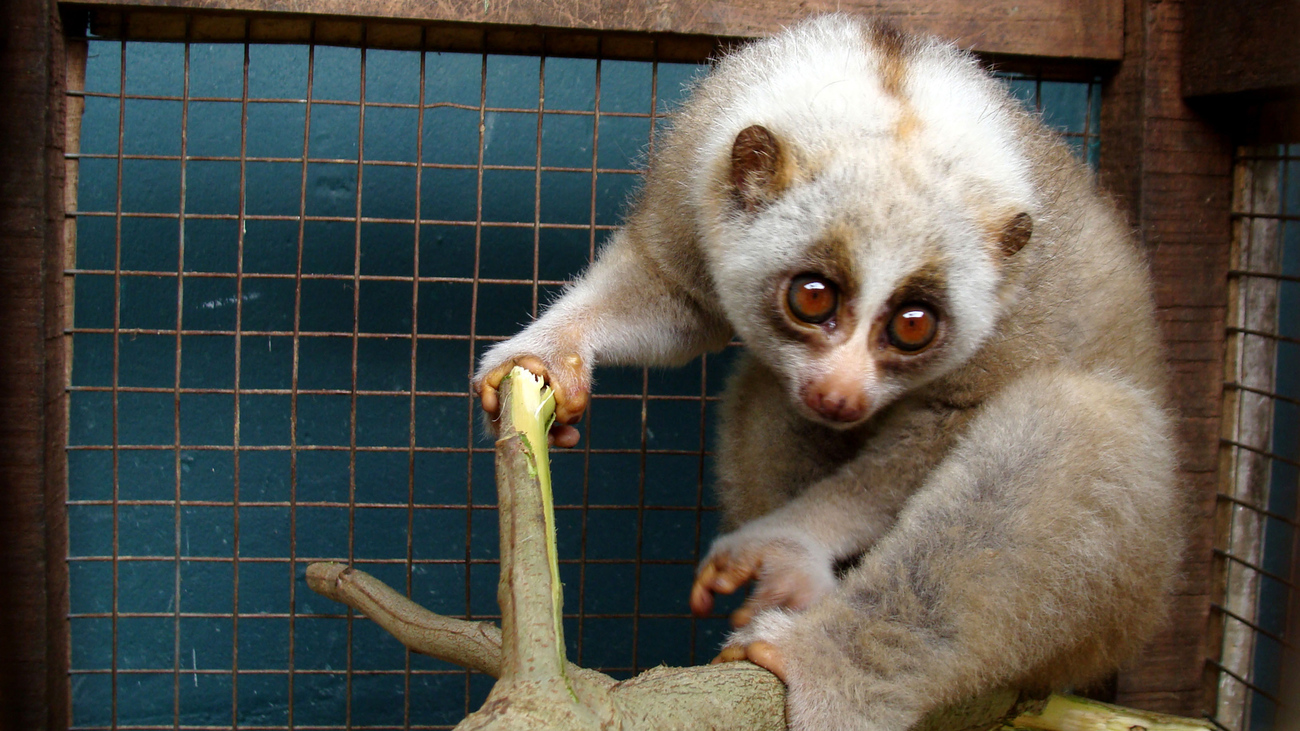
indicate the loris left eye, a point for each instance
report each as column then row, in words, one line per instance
column 812, row 298
column 912, row 327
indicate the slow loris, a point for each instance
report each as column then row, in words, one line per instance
column 952, row 381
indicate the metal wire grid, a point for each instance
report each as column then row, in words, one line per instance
column 204, row 474
column 1260, row 474
column 182, row 449
column 1072, row 108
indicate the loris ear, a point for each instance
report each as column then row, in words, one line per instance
column 1015, row 233
column 760, row 169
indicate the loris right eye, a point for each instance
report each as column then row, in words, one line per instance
column 812, row 299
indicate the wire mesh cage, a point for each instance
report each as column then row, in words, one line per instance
column 1260, row 460
column 287, row 258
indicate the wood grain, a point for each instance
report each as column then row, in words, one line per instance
column 67, row 60
column 1072, row 29
column 26, row 66
column 1242, row 47
column 1171, row 172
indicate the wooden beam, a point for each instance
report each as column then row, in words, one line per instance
column 1170, row 169
column 1247, row 46
column 1241, row 67
column 1061, row 29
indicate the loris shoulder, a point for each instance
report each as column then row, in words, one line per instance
column 951, row 382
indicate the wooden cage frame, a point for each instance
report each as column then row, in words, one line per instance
column 1168, row 165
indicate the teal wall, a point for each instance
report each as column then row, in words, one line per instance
column 271, row 360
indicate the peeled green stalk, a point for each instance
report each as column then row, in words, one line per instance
column 532, row 413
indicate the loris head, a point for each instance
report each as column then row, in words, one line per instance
column 862, row 198
column 859, row 282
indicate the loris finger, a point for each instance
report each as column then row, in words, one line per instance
column 721, row 574
column 730, row 653
column 487, row 396
column 701, row 598
column 790, row 590
column 487, row 388
column 741, row 616
column 572, row 391
column 765, row 655
column 767, row 597
column 764, row 597
column 562, row 435
column 569, row 385
column 724, row 573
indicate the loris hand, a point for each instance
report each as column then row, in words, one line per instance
column 791, row 571
column 568, row 379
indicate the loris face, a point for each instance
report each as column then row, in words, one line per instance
column 858, row 283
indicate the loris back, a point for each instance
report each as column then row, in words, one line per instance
column 952, row 383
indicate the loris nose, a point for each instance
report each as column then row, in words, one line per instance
column 836, row 399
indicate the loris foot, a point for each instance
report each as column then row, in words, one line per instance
column 762, row 654
column 568, row 381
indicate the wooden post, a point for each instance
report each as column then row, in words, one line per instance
column 33, row 636
column 1171, row 171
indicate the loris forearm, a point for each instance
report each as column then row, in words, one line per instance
column 625, row 309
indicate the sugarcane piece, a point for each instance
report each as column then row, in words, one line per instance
column 1071, row 713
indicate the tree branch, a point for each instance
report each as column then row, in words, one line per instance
column 472, row 645
column 538, row 689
